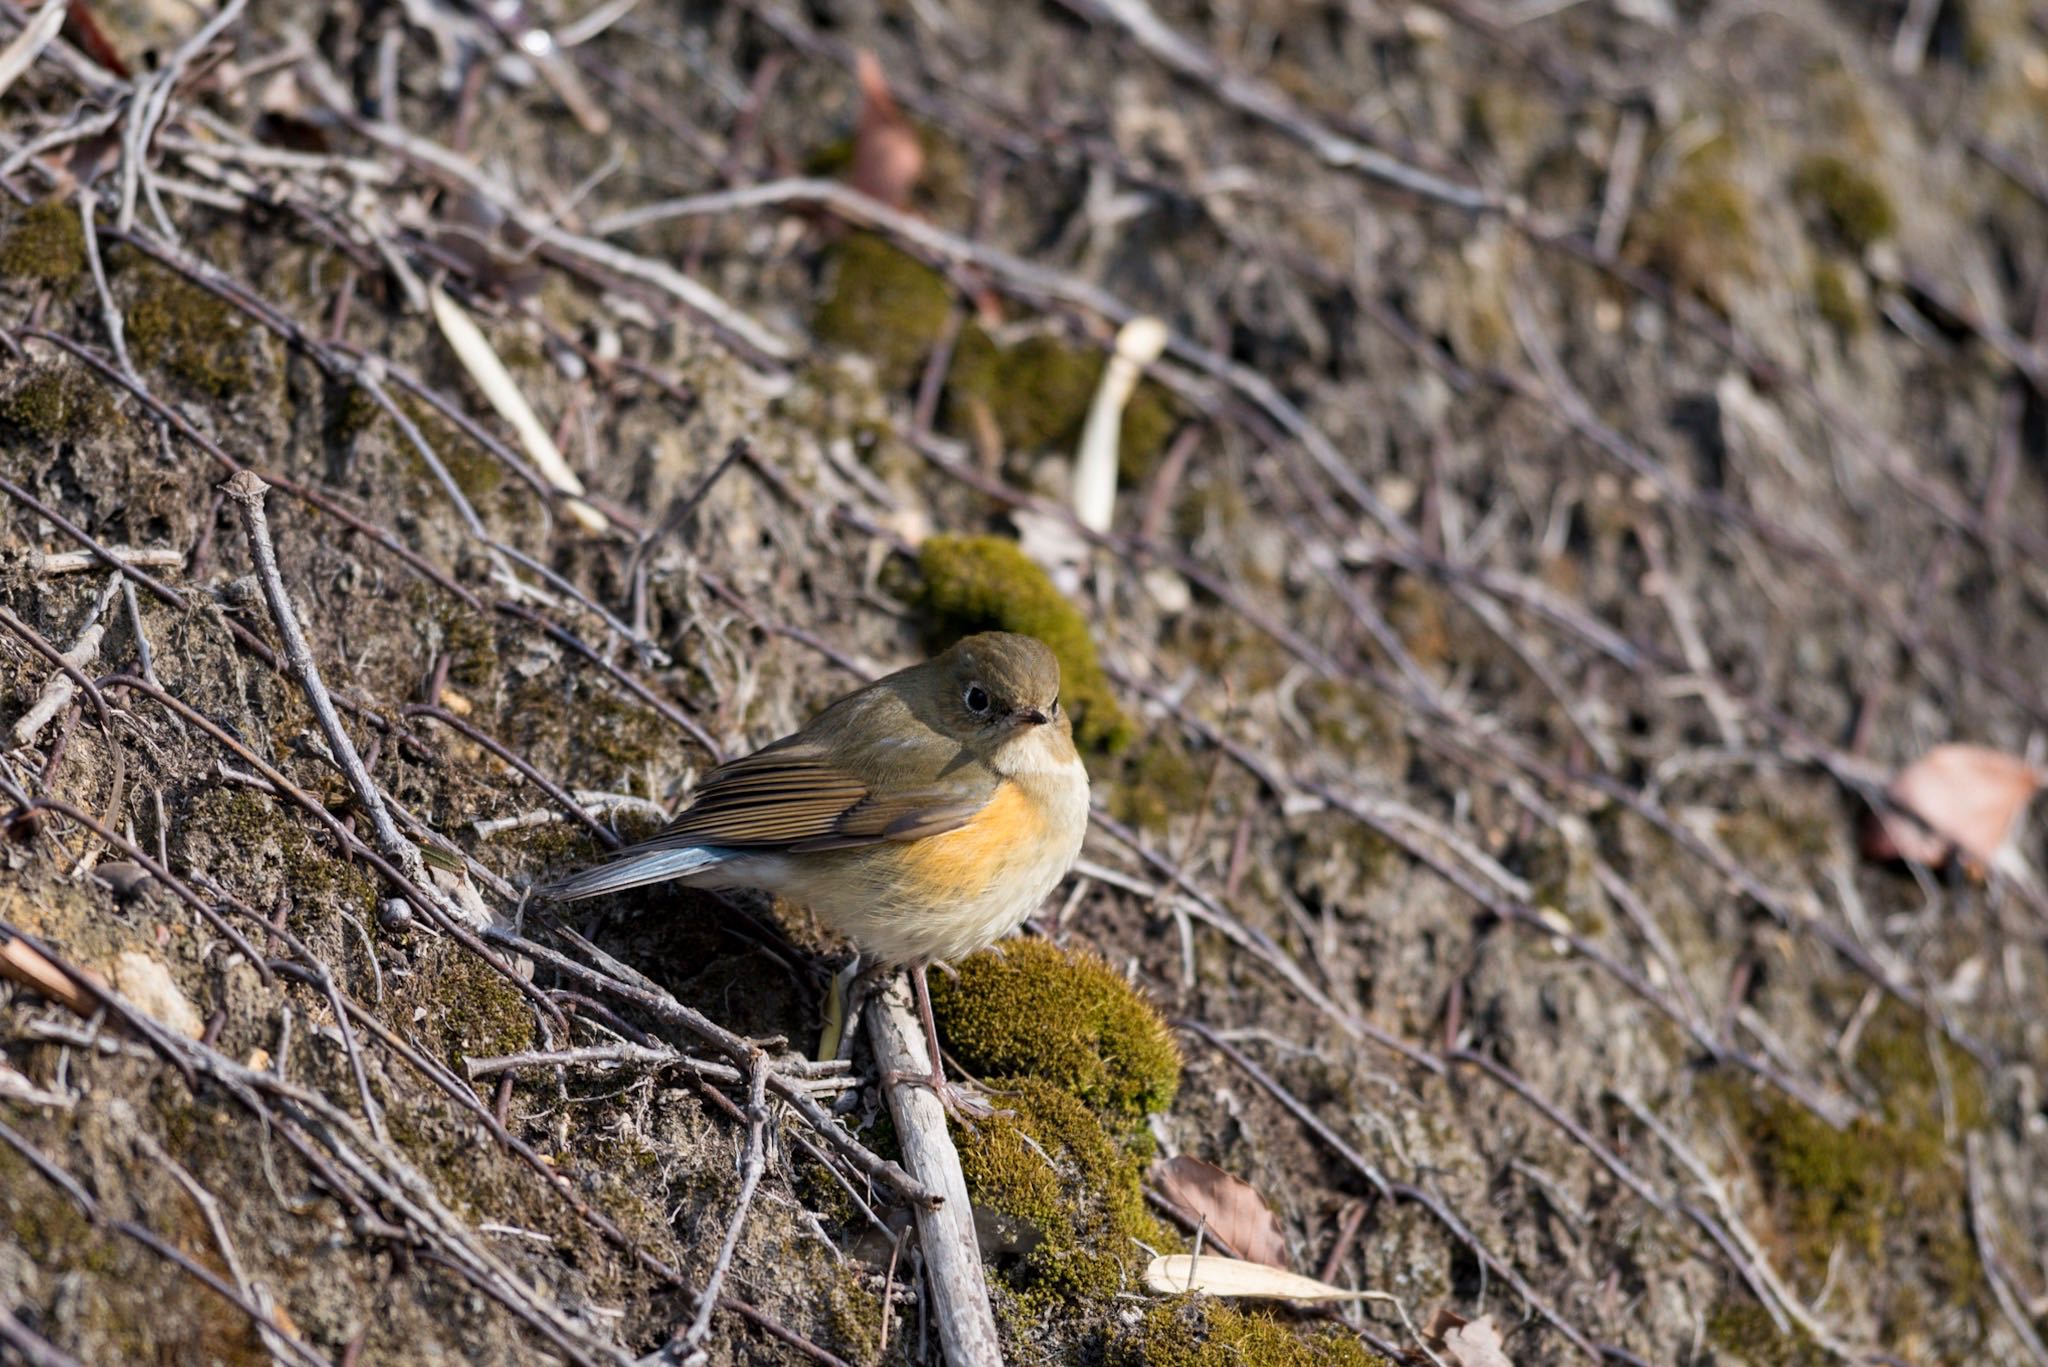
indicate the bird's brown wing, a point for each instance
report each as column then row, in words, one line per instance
column 790, row 797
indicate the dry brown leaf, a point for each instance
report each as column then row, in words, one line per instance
column 23, row 963
column 1228, row 1206
column 1467, row 1343
column 1177, row 1274
column 887, row 156
column 1969, row 796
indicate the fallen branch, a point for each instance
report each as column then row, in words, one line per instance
column 952, row 1255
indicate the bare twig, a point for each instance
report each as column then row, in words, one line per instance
column 248, row 490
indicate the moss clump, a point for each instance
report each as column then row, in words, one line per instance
column 855, row 1315
column 1159, row 782
column 477, row 1013
column 1834, row 301
column 1192, row 1331
column 1064, row 1197
column 1037, row 394
column 1887, row 1188
column 46, row 244
column 58, row 402
column 192, row 334
column 885, row 304
column 1700, row 233
column 1745, row 1329
column 1065, row 1019
column 1895, row 1054
column 1852, row 206
column 475, row 470
column 987, row 583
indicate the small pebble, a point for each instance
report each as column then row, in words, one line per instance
column 126, row 880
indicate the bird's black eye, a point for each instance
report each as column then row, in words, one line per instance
column 977, row 699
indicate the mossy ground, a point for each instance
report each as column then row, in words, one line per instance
column 193, row 334
column 1885, row 1186
column 1032, row 1009
column 1197, row 1332
column 45, row 243
column 58, row 402
column 1852, row 205
column 1395, row 329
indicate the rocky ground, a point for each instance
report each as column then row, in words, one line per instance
column 1598, row 446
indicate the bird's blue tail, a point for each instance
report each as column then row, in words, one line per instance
column 635, row 868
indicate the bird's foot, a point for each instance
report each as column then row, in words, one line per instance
column 963, row 1104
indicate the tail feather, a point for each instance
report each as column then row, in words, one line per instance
column 633, row 869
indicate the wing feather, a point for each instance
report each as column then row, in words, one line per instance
column 789, row 796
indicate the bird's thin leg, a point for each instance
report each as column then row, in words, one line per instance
column 959, row 1104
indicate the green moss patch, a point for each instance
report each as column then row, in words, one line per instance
column 58, row 402
column 1745, row 1330
column 1063, row 1196
column 1888, row 1189
column 1852, row 206
column 1836, row 303
column 1699, row 233
column 885, row 304
column 194, row 335
column 46, row 243
column 1193, row 1331
column 1037, row 395
column 1160, row 781
column 987, row 583
column 1035, row 1010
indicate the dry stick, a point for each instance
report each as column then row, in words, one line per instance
column 755, row 1164
column 73, row 674
column 72, row 562
column 248, row 490
column 621, row 982
column 449, row 166
column 150, row 97
column 1267, row 102
column 32, row 1348
column 1988, row 1257
column 57, row 693
column 952, row 1253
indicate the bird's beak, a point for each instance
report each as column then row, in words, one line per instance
column 1029, row 716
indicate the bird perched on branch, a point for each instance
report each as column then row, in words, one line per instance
column 923, row 816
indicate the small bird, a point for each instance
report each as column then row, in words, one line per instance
column 923, row 816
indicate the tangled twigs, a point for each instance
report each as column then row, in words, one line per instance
column 687, row 1347
column 247, row 490
column 616, row 979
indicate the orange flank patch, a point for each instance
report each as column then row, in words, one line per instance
column 962, row 862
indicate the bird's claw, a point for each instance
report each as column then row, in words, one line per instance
column 961, row 1104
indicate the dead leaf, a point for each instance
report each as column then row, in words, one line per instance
column 1970, row 797
column 1229, row 1207
column 1468, row 1343
column 23, row 963
column 887, row 156
column 1179, row 1273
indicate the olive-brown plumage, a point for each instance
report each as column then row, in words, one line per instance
column 922, row 816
